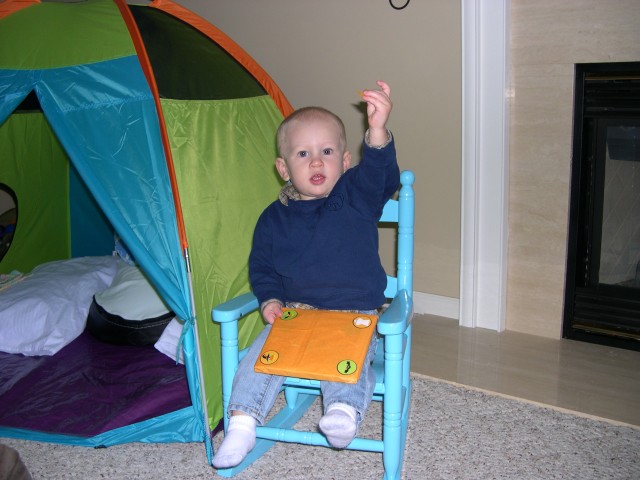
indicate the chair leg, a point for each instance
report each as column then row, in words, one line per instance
column 391, row 456
column 393, row 406
column 395, row 436
column 291, row 397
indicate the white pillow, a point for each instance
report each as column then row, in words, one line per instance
column 48, row 309
column 168, row 341
column 131, row 296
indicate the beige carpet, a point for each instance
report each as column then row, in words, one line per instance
column 454, row 433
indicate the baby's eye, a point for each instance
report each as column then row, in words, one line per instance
column 327, row 151
column 303, row 154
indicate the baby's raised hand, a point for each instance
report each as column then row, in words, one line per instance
column 378, row 109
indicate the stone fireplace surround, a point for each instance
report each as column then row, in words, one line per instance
column 545, row 39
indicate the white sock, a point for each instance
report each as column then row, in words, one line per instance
column 339, row 424
column 238, row 441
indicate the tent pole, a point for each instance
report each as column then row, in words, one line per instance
column 203, row 397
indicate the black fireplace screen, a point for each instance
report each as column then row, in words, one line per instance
column 602, row 290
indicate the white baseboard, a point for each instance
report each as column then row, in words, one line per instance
column 426, row 303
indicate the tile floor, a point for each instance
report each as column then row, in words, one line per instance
column 583, row 377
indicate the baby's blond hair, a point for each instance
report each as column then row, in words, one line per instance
column 308, row 113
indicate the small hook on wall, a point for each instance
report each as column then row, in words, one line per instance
column 396, row 7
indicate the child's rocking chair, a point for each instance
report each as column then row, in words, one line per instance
column 391, row 364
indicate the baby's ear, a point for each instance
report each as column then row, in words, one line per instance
column 346, row 160
column 281, row 166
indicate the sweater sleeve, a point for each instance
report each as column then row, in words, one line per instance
column 377, row 178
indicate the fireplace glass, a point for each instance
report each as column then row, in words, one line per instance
column 620, row 241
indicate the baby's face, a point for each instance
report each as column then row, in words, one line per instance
column 315, row 157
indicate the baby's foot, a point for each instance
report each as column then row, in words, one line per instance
column 238, row 442
column 339, row 424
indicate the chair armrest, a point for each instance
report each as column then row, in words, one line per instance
column 235, row 309
column 397, row 317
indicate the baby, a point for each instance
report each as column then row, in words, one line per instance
column 317, row 247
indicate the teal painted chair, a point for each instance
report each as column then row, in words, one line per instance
column 391, row 365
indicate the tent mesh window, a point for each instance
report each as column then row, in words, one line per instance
column 206, row 71
column 8, row 217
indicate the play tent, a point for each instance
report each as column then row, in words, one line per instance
column 169, row 128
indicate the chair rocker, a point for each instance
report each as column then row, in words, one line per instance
column 391, row 364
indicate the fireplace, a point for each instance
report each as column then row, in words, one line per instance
column 602, row 289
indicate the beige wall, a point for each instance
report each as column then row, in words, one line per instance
column 547, row 38
column 323, row 52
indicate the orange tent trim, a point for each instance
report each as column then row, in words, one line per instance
column 11, row 6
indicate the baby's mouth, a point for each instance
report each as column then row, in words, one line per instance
column 317, row 179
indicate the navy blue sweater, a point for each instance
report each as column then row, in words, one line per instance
column 324, row 252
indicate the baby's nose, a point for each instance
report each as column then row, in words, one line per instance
column 316, row 160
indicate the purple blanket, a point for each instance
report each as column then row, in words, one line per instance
column 89, row 387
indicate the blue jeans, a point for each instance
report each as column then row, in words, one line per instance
column 255, row 393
